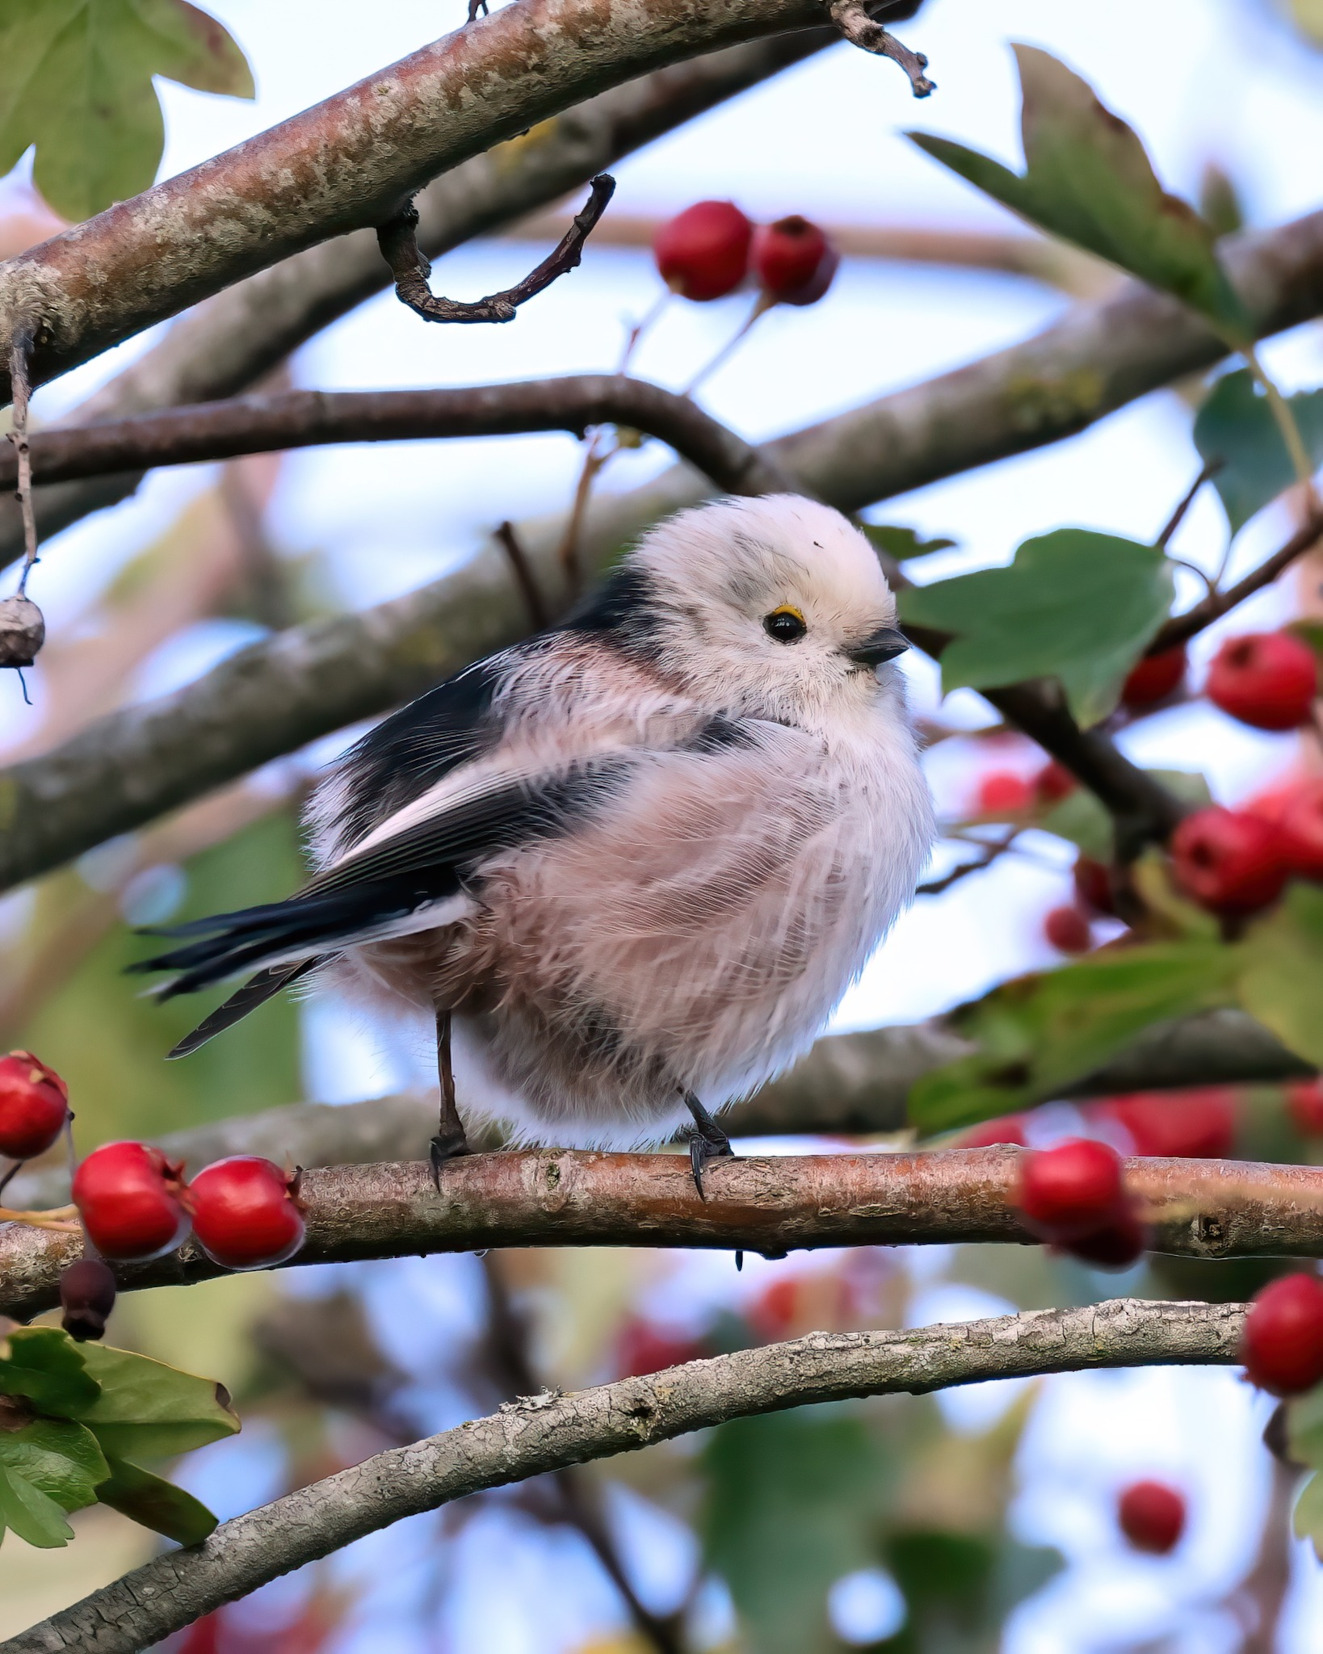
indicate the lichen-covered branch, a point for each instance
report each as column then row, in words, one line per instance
column 350, row 161
column 301, row 419
column 548, row 1432
column 1195, row 1208
column 229, row 342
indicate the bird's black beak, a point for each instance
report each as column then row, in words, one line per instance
column 884, row 644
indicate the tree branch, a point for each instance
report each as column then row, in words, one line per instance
column 231, row 341
column 1195, row 1208
column 350, row 161
column 301, row 419
column 848, row 1084
column 1181, row 628
column 549, row 1432
column 398, row 241
column 278, row 694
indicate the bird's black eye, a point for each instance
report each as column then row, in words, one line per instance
column 785, row 624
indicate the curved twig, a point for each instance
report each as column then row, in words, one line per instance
column 549, row 1432
column 398, row 241
column 1193, row 1208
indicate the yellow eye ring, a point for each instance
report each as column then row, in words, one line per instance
column 785, row 624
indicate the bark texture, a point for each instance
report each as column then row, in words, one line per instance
column 548, row 1432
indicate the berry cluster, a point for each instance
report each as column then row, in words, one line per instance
column 1073, row 1196
column 135, row 1204
column 709, row 249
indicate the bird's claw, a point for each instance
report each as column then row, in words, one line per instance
column 446, row 1146
column 702, row 1149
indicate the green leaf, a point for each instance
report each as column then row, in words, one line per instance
column 45, row 1365
column 1088, row 180
column 155, row 1503
column 147, row 1410
column 902, row 543
column 1308, row 1520
column 76, row 81
column 791, row 1502
column 31, row 1513
column 1235, row 425
column 1074, row 605
column 1039, row 1033
column 48, row 1467
column 1082, row 819
column 1281, row 979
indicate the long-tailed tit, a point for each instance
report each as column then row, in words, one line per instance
column 635, row 860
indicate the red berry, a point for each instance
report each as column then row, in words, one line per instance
column 641, row 1350
column 1151, row 1516
column 1283, row 1344
column 1054, row 782
column 793, row 260
column 1153, row 677
column 1067, row 930
column 34, row 1104
column 1304, row 1099
column 1115, row 1246
column 703, row 252
column 1072, row 1190
column 1195, row 1124
column 1266, row 679
column 773, row 1312
column 1003, row 792
column 1009, row 1129
column 1228, row 861
column 1093, row 885
column 87, row 1296
column 1302, row 825
column 245, row 1214
column 130, row 1198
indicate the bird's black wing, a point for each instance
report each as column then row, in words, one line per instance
column 370, row 890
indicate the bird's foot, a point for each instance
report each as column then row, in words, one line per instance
column 705, row 1146
column 446, row 1145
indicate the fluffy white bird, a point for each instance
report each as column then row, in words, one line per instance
column 636, row 860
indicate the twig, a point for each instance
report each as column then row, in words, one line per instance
column 567, row 552
column 935, row 887
column 525, row 579
column 548, row 1432
column 507, row 1340
column 1207, row 473
column 20, row 355
column 1193, row 1208
column 299, row 419
column 1180, row 628
column 399, row 247
column 860, row 30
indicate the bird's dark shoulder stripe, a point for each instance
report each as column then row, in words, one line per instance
column 418, row 746
column 623, row 610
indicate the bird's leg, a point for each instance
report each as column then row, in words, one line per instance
column 450, row 1139
column 707, row 1141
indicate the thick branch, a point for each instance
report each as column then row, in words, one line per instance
column 301, row 419
column 1196, row 1208
column 232, row 340
column 351, row 161
column 548, row 1432
column 849, row 1083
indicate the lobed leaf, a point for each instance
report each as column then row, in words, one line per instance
column 46, row 1366
column 76, row 81
column 1235, row 426
column 1088, row 180
column 902, row 543
column 1280, row 981
column 47, row 1468
column 1074, row 605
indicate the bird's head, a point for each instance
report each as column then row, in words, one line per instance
column 773, row 606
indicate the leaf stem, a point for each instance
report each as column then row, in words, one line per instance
column 1285, row 420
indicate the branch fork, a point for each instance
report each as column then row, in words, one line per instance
column 851, row 18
